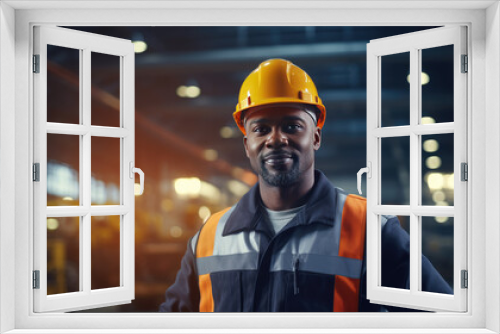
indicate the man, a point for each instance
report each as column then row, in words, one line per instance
column 294, row 242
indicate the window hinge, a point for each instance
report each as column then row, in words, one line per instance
column 464, row 171
column 36, row 279
column 465, row 279
column 465, row 64
column 36, row 172
column 36, row 63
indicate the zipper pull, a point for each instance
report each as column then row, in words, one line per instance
column 295, row 273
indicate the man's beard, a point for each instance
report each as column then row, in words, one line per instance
column 281, row 179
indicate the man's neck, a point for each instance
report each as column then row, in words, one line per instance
column 278, row 199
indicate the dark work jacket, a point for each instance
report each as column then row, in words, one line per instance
column 263, row 290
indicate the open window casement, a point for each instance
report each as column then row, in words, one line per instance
column 410, row 130
column 83, row 171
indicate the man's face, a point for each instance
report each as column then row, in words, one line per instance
column 280, row 143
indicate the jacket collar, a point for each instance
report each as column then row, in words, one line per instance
column 320, row 208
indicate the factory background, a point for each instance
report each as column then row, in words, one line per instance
column 187, row 81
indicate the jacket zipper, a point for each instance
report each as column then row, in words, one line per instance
column 295, row 273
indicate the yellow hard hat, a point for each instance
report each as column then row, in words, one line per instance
column 277, row 81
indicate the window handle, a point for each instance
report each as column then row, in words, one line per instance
column 141, row 176
column 368, row 171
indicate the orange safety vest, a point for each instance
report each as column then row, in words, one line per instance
column 351, row 246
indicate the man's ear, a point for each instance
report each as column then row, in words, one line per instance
column 317, row 138
column 245, row 145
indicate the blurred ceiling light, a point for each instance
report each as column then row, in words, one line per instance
column 67, row 198
column 52, row 224
column 450, row 181
column 190, row 92
column 227, row 132
column 237, row 188
column 140, row 46
column 209, row 191
column 137, row 189
column 438, row 196
column 428, row 120
column 185, row 186
column 181, row 91
column 98, row 191
column 424, row 78
column 193, row 92
column 204, row 213
column 62, row 180
column 442, row 203
column 431, row 145
column 435, row 180
column 176, row 231
column 210, row 155
column 433, row 162
column 441, row 219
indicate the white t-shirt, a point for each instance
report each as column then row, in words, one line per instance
column 279, row 219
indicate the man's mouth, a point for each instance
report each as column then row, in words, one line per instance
column 276, row 159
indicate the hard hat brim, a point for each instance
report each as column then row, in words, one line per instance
column 238, row 115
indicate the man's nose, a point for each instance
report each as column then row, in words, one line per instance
column 276, row 138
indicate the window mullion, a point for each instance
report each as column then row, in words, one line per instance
column 421, row 210
column 414, row 170
column 123, row 165
column 81, row 178
column 405, row 130
column 418, row 166
column 127, row 155
column 80, row 211
column 85, row 246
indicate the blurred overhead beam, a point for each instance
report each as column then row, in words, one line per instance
column 354, row 96
column 237, row 58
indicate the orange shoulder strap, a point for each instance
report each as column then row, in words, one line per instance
column 351, row 245
column 204, row 248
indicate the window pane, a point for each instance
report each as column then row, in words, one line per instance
column 395, row 165
column 437, row 246
column 63, row 85
column 63, row 255
column 63, row 169
column 396, row 266
column 437, row 170
column 395, row 95
column 105, row 90
column 105, row 171
column 105, row 256
column 437, row 85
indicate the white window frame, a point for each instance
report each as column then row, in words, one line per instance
column 413, row 44
column 16, row 21
column 86, row 44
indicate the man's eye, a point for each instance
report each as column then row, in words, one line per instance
column 293, row 127
column 260, row 129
